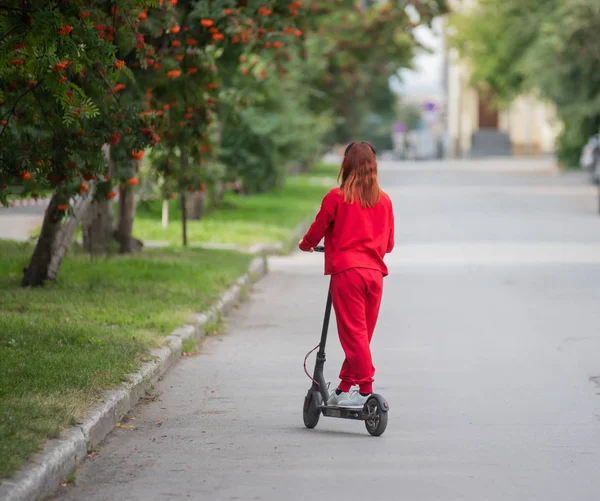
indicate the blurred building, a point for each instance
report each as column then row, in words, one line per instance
column 423, row 140
column 475, row 127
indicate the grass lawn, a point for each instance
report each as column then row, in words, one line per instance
column 243, row 220
column 64, row 345
column 325, row 170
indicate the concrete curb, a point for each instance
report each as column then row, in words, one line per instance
column 60, row 456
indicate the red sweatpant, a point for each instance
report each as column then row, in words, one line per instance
column 356, row 295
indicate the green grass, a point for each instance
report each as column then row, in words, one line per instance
column 64, row 345
column 325, row 170
column 242, row 220
column 216, row 326
column 41, row 194
column 190, row 345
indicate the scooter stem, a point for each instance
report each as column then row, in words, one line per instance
column 320, row 363
column 325, row 326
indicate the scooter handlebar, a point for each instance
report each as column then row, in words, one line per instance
column 319, row 248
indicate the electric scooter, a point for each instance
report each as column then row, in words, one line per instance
column 375, row 411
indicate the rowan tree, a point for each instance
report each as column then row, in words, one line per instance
column 59, row 105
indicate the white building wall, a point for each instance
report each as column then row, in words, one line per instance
column 462, row 107
column 531, row 124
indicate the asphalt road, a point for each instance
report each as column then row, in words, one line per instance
column 487, row 350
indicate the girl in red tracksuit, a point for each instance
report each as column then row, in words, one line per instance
column 357, row 222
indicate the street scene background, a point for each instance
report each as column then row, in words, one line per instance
column 155, row 310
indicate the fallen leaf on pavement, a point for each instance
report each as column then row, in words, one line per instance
column 125, row 426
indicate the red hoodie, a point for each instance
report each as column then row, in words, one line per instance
column 355, row 237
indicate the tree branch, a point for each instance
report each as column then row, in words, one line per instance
column 12, row 112
column 18, row 9
column 44, row 114
column 7, row 33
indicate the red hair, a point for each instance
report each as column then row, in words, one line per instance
column 358, row 175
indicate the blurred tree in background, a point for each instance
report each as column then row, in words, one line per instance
column 360, row 50
column 549, row 47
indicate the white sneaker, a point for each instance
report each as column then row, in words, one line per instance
column 354, row 400
column 334, row 398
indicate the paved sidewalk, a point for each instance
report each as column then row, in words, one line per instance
column 486, row 350
column 17, row 223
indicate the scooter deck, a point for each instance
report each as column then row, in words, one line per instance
column 343, row 412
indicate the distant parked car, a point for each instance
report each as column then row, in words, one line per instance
column 590, row 158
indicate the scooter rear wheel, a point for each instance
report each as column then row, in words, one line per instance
column 311, row 412
column 377, row 409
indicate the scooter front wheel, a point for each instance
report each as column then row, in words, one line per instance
column 377, row 410
column 311, row 412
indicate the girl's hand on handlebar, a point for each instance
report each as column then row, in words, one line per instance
column 312, row 249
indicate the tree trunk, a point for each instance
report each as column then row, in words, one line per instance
column 63, row 240
column 216, row 194
column 123, row 233
column 98, row 228
column 127, row 244
column 165, row 214
column 196, row 205
column 184, row 217
column 37, row 272
column 184, row 165
column 98, row 225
